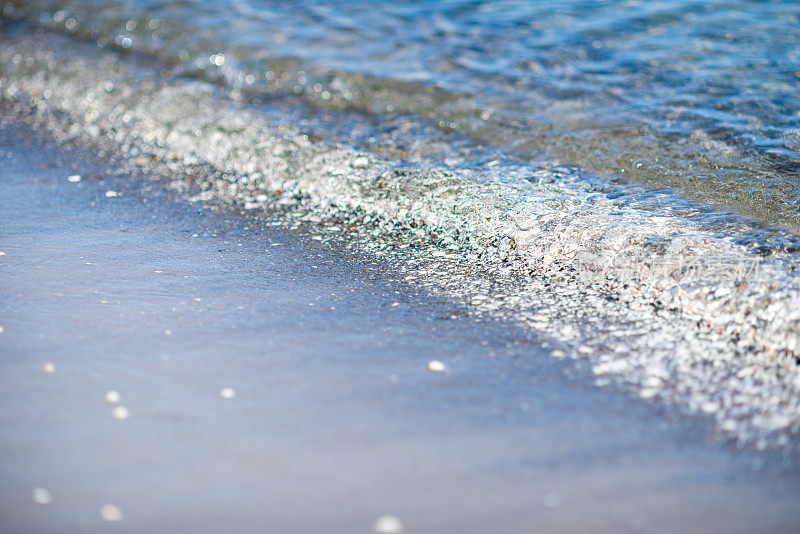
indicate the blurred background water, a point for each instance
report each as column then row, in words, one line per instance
column 700, row 96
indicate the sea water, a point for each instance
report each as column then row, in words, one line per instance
column 620, row 176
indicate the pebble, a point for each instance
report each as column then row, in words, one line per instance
column 360, row 162
column 49, row 368
column 647, row 393
column 120, row 413
column 74, row 178
column 436, row 366
column 41, row 496
column 652, row 382
column 111, row 513
column 113, row 396
column 551, row 500
column 709, row 407
column 728, row 425
column 388, row 524
column 111, row 194
column 227, row 393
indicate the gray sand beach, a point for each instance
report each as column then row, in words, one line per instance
column 169, row 367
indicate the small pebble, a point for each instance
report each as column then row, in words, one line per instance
column 436, row 366
column 551, row 500
column 41, row 496
column 728, row 425
column 647, row 393
column 49, row 368
column 360, row 162
column 111, row 513
column 227, row 393
column 2, row 329
column 74, row 178
column 111, row 194
column 558, row 354
column 388, row 524
column 113, row 396
column 120, row 413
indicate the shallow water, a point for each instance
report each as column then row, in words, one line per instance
column 335, row 418
column 699, row 96
column 675, row 300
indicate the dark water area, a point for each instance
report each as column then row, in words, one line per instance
column 173, row 366
column 697, row 96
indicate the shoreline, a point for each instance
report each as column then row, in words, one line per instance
column 514, row 242
column 334, row 418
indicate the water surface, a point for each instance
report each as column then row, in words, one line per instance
column 700, row 96
column 696, row 305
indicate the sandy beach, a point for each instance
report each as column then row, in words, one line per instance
column 171, row 367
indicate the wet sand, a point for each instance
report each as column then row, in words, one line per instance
column 333, row 417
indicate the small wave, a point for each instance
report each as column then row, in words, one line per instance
column 694, row 306
column 681, row 113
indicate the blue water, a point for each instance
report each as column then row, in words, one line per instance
column 437, row 126
column 697, row 96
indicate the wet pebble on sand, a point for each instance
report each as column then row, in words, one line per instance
column 436, row 366
column 41, row 496
column 388, row 524
column 552, row 500
column 111, row 513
